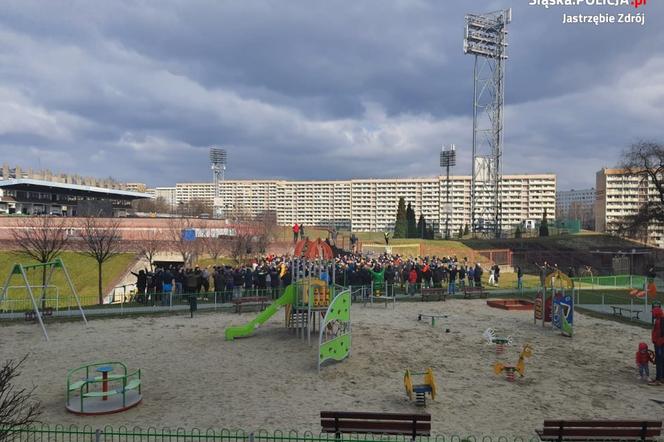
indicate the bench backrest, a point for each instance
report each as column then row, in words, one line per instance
column 626, row 429
column 385, row 423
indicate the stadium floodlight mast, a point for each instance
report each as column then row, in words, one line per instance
column 486, row 39
column 447, row 160
column 218, row 159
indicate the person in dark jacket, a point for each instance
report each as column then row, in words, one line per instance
column 190, row 281
column 451, row 287
column 141, row 284
column 275, row 281
column 658, row 341
column 478, row 275
column 248, row 278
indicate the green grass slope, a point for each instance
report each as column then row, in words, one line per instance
column 82, row 269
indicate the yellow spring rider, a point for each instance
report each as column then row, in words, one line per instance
column 420, row 390
column 520, row 366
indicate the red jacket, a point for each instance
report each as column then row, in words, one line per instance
column 412, row 276
column 657, row 335
column 642, row 357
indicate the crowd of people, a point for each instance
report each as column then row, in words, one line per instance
column 272, row 273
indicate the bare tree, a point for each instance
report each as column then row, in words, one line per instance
column 101, row 241
column 178, row 232
column 644, row 159
column 149, row 244
column 240, row 246
column 266, row 227
column 41, row 238
column 17, row 409
column 214, row 246
column 194, row 207
column 156, row 205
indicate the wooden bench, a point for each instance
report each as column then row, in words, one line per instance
column 560, row 430
column 618, row 311
column 470, row 292
column 438, row 292
column 432, row 317
column 339, row 422
column 250, row 300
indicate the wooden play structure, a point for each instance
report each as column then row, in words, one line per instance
column 102, row 388
column 520, row 366
column 40, row 306
column 554, row 303
column 419, row 391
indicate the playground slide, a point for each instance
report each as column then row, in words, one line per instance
column 241, row 331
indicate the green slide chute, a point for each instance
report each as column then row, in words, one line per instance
column 241, row 331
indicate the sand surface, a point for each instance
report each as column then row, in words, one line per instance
column 193, row 378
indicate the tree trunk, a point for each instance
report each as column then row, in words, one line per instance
column 101, row 295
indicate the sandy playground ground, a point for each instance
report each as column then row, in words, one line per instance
column 193, row 378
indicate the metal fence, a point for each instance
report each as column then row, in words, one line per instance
column 619, row 281
column 60, row 433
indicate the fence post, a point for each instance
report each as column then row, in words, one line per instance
column 97, row 435
column 170, row 300
column 251, row 437
column 645, row 305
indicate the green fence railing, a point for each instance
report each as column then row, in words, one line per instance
column 631, row 281
column 72, row 433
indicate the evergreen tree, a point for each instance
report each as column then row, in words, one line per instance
column 466, row 231
column 460, row 232
column 429, row 233
column 401, row 224
column 411, row 231
column 544, row 226
column 422, row 227
column 517, row 232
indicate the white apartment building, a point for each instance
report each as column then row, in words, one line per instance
column 185, row 192
column 168, row 194
column 371, row 204
column 577, row 204
column 619, row 195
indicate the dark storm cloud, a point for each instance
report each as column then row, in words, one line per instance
column 306, row 90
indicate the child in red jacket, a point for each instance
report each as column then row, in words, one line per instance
column 643, row 359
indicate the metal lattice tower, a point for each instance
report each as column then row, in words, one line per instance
column 218, row 165
column 447, row 160
column 486, row 39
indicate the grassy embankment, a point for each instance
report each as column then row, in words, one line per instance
column 82, row 269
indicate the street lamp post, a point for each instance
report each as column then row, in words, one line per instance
column 447, row 160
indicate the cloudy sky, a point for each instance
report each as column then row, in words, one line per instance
column 304, row 89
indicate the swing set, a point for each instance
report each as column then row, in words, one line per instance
column 49, row 268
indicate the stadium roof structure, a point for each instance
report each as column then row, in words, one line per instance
column 26, row 184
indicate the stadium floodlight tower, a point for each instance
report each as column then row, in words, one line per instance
column 486, row 39
column 218, row 166
column 447, row 160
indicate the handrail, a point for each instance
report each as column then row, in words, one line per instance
column 71, row 372
column 88, row 380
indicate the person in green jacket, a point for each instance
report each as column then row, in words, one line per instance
column 378, row 275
